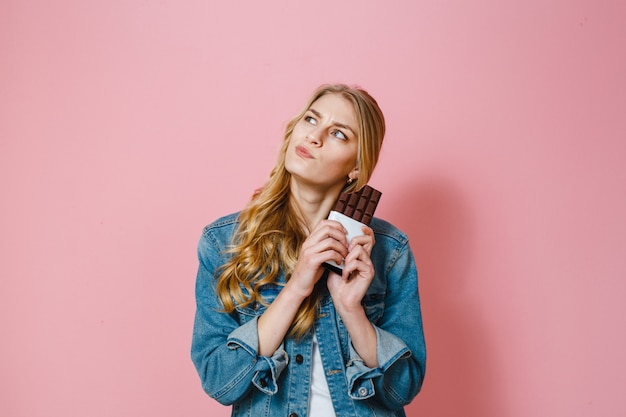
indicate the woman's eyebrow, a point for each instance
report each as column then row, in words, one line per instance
column 315, row 112
column 338, row 124
column 341, row 125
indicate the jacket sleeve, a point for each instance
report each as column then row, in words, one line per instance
column 223, row 350
column 400, row 342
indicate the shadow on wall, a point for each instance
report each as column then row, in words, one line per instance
column 461, row 377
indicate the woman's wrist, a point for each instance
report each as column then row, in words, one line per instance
column 353, row 313
column 292, row 291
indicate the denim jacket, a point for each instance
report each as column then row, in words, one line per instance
column 224, row 346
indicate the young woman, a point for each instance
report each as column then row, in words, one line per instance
column 275, row 333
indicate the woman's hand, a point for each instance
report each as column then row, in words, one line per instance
column 348, row 289
column 326, row 242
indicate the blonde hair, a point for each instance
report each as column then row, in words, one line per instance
column 269, row 235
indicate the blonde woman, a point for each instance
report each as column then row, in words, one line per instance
column 275, row 333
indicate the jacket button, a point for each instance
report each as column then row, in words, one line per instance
column 263, row 383
column 299, row 359
column 293, row 414
column 363, row 391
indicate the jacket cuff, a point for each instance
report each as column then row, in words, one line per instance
column 267, row 369
column 389, row 349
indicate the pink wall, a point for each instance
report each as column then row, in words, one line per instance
column 125, row 126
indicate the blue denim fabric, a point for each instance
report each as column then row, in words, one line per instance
column 224, row 346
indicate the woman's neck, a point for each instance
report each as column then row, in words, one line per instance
column 312, row 203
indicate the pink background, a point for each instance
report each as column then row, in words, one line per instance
column 126, row 126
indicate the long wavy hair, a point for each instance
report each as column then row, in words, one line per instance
column 270, row 233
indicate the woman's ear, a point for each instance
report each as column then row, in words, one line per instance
column 354, row 174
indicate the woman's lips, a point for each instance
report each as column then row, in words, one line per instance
column 303, row 152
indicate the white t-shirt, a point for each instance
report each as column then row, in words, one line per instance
column 320, row 403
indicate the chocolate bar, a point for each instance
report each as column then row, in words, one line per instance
column 359, row 206
column 353, row 210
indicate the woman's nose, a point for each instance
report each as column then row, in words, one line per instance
column 314, row 137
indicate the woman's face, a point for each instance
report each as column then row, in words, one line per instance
column 324, row 143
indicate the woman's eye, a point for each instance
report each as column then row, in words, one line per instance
column 339, row 134
column 310, row 119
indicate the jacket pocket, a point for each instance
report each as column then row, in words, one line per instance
column 256, row 308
